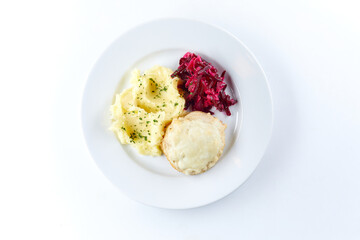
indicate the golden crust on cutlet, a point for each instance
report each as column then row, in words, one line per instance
column 194, row 143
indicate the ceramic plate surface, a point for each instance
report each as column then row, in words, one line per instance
column 151, row 180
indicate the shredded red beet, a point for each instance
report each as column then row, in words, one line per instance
column 203, row 87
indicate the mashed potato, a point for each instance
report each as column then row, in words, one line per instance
column 141, row 112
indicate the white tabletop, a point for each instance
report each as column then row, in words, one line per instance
column 307, row 185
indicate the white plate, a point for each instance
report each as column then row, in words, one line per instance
column 151, row 180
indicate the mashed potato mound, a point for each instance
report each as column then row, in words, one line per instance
column 141, row 112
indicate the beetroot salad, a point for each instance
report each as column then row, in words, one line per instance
column 202, row 86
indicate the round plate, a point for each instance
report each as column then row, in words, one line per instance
column 151, row 180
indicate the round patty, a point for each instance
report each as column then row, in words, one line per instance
column 194, row 143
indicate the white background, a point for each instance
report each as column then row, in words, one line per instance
column 307, row 185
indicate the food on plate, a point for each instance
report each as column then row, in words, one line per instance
column 141, row 112
column 156, row 102
column 194, row 143
column 203, row 87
